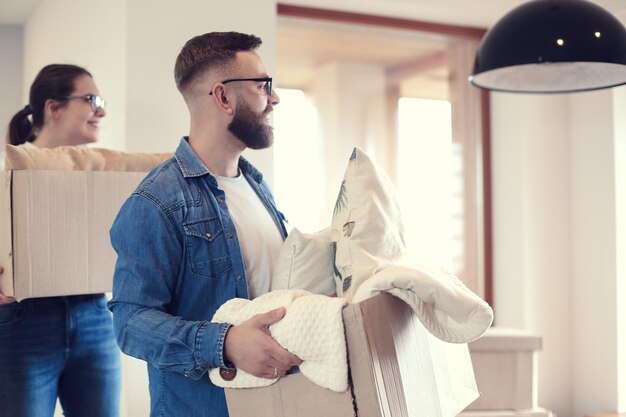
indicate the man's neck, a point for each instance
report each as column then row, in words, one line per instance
column 219, row 153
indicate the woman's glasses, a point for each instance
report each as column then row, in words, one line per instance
column 95, row 102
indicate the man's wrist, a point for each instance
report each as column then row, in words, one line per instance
column 227, row 363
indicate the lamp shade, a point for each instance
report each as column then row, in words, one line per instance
column 552, row 46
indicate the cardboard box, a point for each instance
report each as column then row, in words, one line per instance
column 397, row 369
column 505, row 368
column 54, row 230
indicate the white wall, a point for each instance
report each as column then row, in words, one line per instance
column 595, row 282
column 11, row 99
column 556, row 235
column 157, row 116
column 90, row 34
column 619, row 123
column 531, row 239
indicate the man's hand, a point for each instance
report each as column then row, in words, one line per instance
column 250, row 347
column 4, row 299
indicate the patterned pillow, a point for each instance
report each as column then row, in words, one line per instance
column 366, row 230
column 304, row 262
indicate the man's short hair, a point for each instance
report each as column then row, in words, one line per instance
column 209, row 51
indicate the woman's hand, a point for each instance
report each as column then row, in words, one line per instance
column 3, row 298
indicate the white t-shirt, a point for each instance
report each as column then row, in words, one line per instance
column 259, row 237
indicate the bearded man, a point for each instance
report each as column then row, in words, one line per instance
column 202, row 228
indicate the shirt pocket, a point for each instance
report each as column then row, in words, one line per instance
column 207, row 253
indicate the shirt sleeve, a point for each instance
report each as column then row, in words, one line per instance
column 150, row 254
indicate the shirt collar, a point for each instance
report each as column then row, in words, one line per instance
column 188, row 161
column 191, row 165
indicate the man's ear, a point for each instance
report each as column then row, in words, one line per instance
column 221, row 100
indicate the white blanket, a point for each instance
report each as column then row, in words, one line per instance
column 312, row 329
column 446, row 307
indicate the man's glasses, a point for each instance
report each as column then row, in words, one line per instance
column 95, row 102
column 267, row 80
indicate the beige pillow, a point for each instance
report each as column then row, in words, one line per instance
column 304, row 263
column 367, row 231
column 80, row 158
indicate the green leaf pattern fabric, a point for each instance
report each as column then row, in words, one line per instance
column 367, row 232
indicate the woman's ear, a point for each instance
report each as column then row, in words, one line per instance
column 51, row 108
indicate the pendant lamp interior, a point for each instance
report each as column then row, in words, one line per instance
column 552, row 46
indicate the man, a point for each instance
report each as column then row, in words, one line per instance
column 201, row 229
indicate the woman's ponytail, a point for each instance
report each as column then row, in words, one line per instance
column 20, row 127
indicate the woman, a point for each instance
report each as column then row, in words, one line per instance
column 58, row 346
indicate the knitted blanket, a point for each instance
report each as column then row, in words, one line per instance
column 312, row 329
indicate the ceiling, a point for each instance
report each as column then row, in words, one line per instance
column 411, row 60
column 475, row 13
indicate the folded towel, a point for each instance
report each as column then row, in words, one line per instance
column 446, row 307
column 312, row 329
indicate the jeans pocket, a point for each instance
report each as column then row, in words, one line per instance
column 11, row 313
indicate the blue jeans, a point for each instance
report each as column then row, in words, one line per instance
column 58, row 347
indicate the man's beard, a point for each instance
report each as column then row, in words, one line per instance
column 249, row 128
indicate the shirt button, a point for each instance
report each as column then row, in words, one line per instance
column 230, row 235
column 238, row 277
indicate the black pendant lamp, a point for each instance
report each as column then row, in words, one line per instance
column 552, row 46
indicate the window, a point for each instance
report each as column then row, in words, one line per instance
column 298, row 150
column 429, row 182
column 398, row 90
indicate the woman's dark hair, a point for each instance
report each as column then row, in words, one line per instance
column 54, row 81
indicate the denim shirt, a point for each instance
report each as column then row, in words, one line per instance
column 178, row 261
